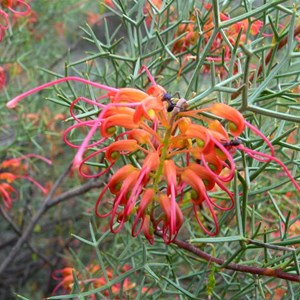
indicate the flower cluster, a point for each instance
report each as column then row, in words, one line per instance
column 163, row 158
column 221, row 50
column 17, row 8
column 66, row 275
column 12, row 169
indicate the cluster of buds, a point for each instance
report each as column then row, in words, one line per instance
column 17, row 8
column 66, row 275
column 176, row 157
column 12, row 169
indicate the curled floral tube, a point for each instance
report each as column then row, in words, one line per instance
column 13, row 103
column 115, row 186
column 122, row 217
column 12, row 161
column 104, row 190
column 262, row 157
column 230, row 159
column 89, row 101
column 89, row 123
column 4, row 23
column 147, row 198
column 81, row 171
column 6, row 191
column 230, row 194
column 259, row 133
column 208, row 232
column 150, row 163
column 25, row 7
column 171, row 221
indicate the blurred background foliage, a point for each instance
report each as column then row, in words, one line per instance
column 108, row 42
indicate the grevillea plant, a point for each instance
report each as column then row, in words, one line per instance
column 188, row 134
column 178, row 151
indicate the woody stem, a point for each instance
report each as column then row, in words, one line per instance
column 271, row 272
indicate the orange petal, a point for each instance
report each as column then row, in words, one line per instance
column 120, row 147
column 9, row 177
column 236, row 119
column 206, row 177
column 191, row 178
column 140, row 135
column 108, row 126
column 127, row 95
column 116, row 180
column 217, row 130
column 156, row 91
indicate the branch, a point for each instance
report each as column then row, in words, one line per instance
column 19, row 232
column 277, row 273
column 74, row 192
column 48, row 202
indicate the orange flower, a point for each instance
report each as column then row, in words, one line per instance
column 191, row 36
column 65, row 275
column 13, row 169
column 166, row 152
column 66, row 280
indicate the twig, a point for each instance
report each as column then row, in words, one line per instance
column 73, row 192
column 26, row 233
column 270, row 246
column 19, row 232
column 277, row 273
column 48, row 203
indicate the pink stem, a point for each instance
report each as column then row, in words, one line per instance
column 46, row 160
column 229, row 157
column 94, row 175
column 151, row 78
column 224, row 188
column 79, row 155
column 87, row 101
column 13, row 103
column 98, row 203
column 213, row 216
column 5, row 16
column 86, row 123
column 44, row 190
column 21, row 13
column 252, row 153
column 256, row 131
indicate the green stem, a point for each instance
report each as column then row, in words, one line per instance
column 163, row 156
